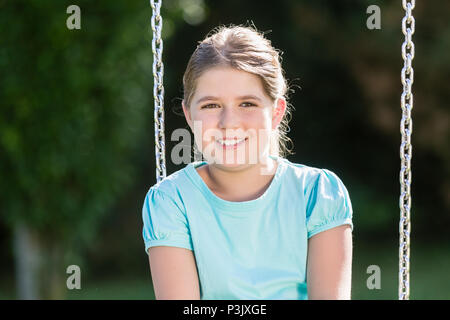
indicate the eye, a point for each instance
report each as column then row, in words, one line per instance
column 248, row 104
column 209, row 106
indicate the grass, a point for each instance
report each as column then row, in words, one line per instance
column 429, row 272
column 124, row 289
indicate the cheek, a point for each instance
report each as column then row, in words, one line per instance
column 202, row 122
column 209, row 127
column 260, row 122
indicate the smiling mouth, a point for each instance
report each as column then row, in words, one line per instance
column 231, row 143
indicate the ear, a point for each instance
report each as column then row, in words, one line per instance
column 187, row 114
column 278, row 112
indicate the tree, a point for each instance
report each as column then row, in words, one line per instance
column 74, row 106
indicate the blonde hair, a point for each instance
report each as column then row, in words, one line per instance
column 246, row 49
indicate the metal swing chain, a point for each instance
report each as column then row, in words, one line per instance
column 406, row 124
column 158, row 90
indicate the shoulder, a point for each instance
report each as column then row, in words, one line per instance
column 170, row 185
column 164, row 199
column 308, row 172
column 301, row 173
column 302, row 170
column 309, row 178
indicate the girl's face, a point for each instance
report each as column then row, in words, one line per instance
column 231, row 104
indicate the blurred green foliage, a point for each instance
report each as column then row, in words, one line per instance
column 73, row 106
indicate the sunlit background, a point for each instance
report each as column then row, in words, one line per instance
column 77, row 150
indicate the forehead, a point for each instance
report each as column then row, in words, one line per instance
column 219, row 81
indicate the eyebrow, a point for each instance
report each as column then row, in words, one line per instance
column 207, row 98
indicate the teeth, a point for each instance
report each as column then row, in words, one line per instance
column 230, row 142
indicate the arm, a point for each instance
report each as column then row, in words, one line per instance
column 329, row 264
column 174, row 273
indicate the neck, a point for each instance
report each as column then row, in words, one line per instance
column 243, row 183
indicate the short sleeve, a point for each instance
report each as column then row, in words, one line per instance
column 165, row 224
column 329, row 204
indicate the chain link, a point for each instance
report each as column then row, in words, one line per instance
column 406, row 124
column 158, row 90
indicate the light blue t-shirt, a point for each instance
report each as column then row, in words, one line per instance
column 253, row 249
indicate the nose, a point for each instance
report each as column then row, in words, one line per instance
column 229, row 119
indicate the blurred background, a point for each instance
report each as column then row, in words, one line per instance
column 77, row 133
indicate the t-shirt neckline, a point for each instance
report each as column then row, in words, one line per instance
column 235, row 205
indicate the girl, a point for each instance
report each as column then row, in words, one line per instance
column 246, row 223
